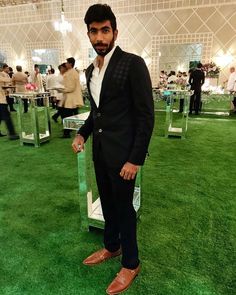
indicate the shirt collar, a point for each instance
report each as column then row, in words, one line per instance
column 106, row 58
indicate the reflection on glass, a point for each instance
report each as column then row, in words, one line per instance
column 45, row 57
column 177, row 57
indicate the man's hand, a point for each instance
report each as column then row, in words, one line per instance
column 78, row 143
column 129, row 171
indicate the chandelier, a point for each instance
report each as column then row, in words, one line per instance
column 63, row 26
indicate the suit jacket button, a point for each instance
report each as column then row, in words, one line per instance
column 98, row 114
column 100, row 130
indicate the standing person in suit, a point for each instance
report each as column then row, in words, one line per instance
column 121, row 121
column 4, row 112
column 73, row 98
column 19, row 79
column 5, row 74
column 196, row 80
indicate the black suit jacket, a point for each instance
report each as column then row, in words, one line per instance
column 197, row 79
column 122, row 124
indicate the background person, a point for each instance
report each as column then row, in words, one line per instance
column 36, row 78
column 5, row 74
column 4, row 112
column 51, row 82
column 19, row 79
column 231, row 85
column 196, row 80
column 72, row 93
column 59, row 96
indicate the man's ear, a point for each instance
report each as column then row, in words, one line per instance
column 115, row 34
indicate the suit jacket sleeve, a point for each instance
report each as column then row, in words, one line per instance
column 141, row 91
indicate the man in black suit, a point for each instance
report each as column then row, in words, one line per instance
column 121, row 121
column 196, row 80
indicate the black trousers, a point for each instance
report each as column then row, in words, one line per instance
column 67, row 113
column 5, row 116
column 234, row 102
column 25, row 102
column 195, row 101
column 58, row 113
column 181, row 105
column 116, row 195
column 10, row 101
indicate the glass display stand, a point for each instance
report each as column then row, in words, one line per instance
column 33, row 136
column 216, row 103
column 173, row 98
column 90, row 206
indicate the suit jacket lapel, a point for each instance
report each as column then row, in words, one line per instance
column 88, row 76
column 107, row 77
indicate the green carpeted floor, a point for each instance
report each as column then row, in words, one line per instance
column 187, row 231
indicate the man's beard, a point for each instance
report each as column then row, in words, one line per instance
column 104, row 48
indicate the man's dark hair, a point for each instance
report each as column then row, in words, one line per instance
column 4, row 66
column 19, row 68
column 199, row 65
column 63, row 65
column 100, row 13
column 71, row 61
column 52, row 71
column 36, row 66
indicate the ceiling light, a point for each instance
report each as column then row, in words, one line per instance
column 63, row 26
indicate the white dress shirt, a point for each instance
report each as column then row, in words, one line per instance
column 231, row 81
column 97, row 77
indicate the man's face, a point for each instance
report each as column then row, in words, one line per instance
column 6, row 70
column 62, row 70
column 102, row 37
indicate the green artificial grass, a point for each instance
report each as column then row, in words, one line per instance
column 187, row 231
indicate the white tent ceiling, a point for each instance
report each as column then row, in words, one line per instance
column 4, row 3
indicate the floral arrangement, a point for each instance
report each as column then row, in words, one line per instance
column 211, row 70
column 31, row 87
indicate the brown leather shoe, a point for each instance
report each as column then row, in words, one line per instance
column 123, row 280
column 100, row 256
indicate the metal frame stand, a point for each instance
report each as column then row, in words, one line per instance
column 35, row 137
column 171, row 97
column 216, row 104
